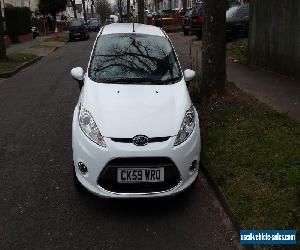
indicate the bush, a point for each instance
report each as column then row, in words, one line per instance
column 18, row 21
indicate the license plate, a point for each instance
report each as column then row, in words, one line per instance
column 135, row 175
column 77, row 34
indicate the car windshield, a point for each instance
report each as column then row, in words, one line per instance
column 94, row 22
column 134, row 58
column 76, row 23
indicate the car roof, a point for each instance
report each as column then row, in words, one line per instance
column 121, row 28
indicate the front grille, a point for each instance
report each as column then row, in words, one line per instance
column 108, row 177
column 150, row 140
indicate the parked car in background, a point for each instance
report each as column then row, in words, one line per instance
column 35, row 32
column 93, row 25
column 237, row 22
column 109, row 21
column 114, row 18
column 197, row 19
column 158, row 20
column 186, row 22
column 78, row 30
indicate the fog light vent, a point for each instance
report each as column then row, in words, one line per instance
column 193, row 166
column 82, row 168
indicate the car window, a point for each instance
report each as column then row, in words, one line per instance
column 76, row 23
column 134, row 58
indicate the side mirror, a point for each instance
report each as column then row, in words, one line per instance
column 77, row 74
column 189, row 75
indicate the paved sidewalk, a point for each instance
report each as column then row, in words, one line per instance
column 37, row 46
column 16, row 47
column 279, row 92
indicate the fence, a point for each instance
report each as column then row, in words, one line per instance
column 274, row 37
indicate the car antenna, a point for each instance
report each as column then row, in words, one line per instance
column 132, row 16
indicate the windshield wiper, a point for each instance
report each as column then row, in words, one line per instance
column 118, row 80
column 141, row 80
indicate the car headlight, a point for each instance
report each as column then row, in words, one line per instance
column 89, row 127
column 187, row 127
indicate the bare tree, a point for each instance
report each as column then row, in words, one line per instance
column 74, row 8
column 2, row 43
column 184, row 4
column 121, row 6
column 141, row 11
column 84, row 10
column 128, row 11
column 214, row 48
column 92, row 7
column 103, row 9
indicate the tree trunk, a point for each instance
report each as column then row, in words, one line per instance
column 141, row 8
column 128, row 11
column 184, row 5
column 74, row 8
column 55, row 24
column 84, row 11
column 92, row 8
column 214, row 48
column 2, row 43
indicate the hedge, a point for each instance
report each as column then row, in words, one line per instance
column 18, row 21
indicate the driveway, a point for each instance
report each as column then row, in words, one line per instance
column 40, row 207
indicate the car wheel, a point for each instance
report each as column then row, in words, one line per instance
column 186, row 32
column 199, row 35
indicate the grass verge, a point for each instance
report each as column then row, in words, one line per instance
column 15, row 60
column 237, row 51
column 253, row 153
column 58, row 38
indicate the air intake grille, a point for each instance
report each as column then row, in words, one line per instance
column 108, row 177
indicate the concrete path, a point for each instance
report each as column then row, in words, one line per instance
column 279, row 92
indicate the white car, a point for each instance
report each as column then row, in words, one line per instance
column 135, row 131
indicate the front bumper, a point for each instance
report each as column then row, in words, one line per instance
column 96, row 159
